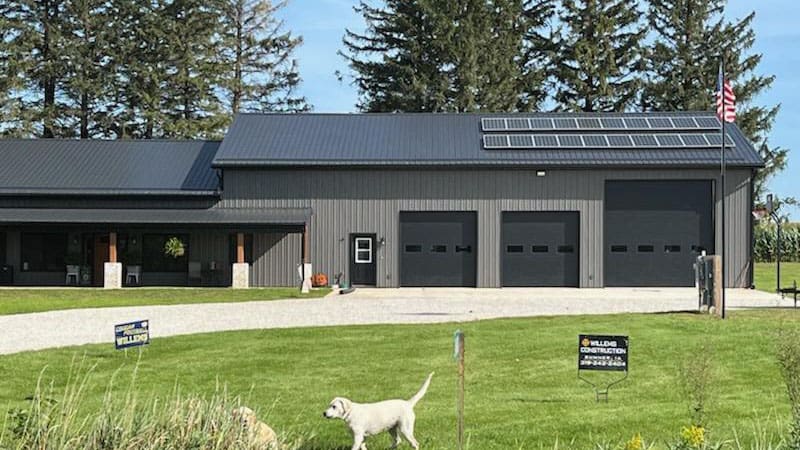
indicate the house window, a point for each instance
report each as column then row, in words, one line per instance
column 44, row 252
column 364, row 250
column 155, row 260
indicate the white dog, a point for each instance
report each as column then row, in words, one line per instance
column 368, row 419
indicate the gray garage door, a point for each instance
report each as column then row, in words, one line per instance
column 654, row 230
column 540, row 248
column 438, row 248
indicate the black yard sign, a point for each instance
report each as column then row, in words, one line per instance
column 603, row 352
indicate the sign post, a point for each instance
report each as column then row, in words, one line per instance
column 131, row 334
column 603, row 353
column 458, row 354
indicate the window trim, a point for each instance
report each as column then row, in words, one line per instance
column 358, row 250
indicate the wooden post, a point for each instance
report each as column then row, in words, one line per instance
column 460, row 401
column 717, row 262
column 239, row 248
column 112, row 247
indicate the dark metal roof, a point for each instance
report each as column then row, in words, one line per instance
column 106, row 167
column 428, row 139
column 212, row 216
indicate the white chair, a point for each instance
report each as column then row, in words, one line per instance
column 134, row 275
column 73, row 275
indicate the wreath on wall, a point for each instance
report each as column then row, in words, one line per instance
column 174, row 247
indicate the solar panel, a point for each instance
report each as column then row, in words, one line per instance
column 669, row 140
column 715, row 141
column 588, row 123
column 545, row 140
column 541, row 124
column 570, row 140
column 619, row 140
column 565, row 123
column 612, row 123
column 518, row 124
column 495, row 141
column 660, row 122
column 707, row 122
column 644, row 140
column 694, row 140
column 684, row 122
column 636, row 123
column 520, row 140
column 493, row 124
column 595, row 140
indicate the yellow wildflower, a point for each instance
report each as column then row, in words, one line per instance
column 635, row 443
column 694, row 436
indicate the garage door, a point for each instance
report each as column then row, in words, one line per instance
column 540, row 248
column 654, row 230
column 438, row 248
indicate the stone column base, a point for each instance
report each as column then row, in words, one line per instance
column 241, row 276
column 306, row 287
column 112, row 275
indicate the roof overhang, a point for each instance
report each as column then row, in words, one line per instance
column 37, row 192
column 212, row 216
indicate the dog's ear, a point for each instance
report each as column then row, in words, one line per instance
column 346, row 405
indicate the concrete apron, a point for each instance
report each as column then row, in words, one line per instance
column 365, row 306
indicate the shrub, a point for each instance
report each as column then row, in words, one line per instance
column 697, row 377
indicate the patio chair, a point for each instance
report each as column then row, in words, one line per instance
column 133, row 276
column 73, row 274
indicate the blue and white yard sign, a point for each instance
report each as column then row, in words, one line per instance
column 132, row 334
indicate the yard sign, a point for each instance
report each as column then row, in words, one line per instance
column 131, row 334
column 603, row 353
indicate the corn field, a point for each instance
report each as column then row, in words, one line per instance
column 766, row 242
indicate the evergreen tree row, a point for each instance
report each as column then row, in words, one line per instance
column 133, row 69
column 568, row 55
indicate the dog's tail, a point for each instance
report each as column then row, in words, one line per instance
column 418, row 396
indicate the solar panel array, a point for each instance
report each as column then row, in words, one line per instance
column 619, row 141
column 687, row 123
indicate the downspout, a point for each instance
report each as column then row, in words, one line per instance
column 751, row 257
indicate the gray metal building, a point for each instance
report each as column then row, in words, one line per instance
column 584, row 200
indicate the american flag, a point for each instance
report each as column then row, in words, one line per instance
column 726, row 99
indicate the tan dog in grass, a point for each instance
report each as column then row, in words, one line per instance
column 259, row 431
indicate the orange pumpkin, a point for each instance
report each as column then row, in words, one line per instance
column 319, row 280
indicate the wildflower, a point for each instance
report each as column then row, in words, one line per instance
column 694, row 436
column 635, row 443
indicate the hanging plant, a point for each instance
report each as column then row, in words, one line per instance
column 174, row 247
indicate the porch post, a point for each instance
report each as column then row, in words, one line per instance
column 112, row 278
column 306, row 286
column 241, row 269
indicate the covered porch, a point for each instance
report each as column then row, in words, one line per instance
column 116, row 248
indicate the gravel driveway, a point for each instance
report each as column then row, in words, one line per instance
column 365, row 306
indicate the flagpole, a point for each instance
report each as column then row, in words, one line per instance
column 722, row 186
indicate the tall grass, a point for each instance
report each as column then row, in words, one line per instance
column 126, row 421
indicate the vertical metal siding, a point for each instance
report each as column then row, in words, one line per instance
column 351, row 201
column 276, row 258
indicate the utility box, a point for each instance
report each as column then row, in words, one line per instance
column 708, row 280
column 6, row 275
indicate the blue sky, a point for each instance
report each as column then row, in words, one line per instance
column 322, row 24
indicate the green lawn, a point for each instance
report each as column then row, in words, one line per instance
column 522, row 389
column 764, row 275
column 16, row 301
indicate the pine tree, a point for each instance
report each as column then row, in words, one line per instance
column 191, row 107
column 423, row 55
column 89, row 73
column 14, row 118
column 599, row 55
column 539, row 48
column 691, row 39
column 34, row 43
column 263, row 73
